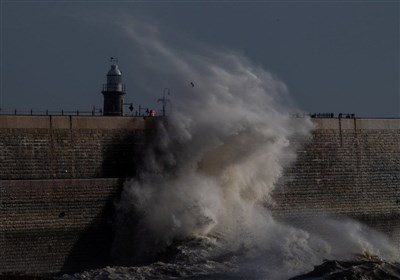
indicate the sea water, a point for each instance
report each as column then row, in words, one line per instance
column 182, row 265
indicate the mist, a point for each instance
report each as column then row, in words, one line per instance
column 204, row 183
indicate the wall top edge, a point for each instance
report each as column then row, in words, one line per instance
column 74, row 122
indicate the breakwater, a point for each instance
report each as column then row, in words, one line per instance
column 60, row 175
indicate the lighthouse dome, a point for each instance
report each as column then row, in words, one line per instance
column 114, row 71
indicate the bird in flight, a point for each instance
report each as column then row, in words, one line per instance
column 191, row 83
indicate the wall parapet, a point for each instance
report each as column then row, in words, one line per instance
column 363, row 124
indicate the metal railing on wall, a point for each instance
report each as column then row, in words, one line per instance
column 324, row 115
column 141, row 112
column 97, row 112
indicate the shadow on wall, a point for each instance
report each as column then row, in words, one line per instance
column 120, row 159
column 93, row 245
column 125, row 155
column 134, row 244
column 92, row 248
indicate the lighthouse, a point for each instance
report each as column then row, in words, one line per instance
column 113, row 92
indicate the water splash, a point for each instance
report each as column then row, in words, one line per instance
column 204, row 182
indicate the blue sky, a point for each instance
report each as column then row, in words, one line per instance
column 334, row 56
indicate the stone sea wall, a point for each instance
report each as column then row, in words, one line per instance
column 49, row 226
column 60, row 175
column 61, row 147
column 349, row 168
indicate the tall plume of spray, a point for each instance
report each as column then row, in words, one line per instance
column 215, row 162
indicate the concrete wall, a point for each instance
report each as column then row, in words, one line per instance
column 59, row 177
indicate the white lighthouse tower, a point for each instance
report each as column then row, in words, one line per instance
column 113, row 92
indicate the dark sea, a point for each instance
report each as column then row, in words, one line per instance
column 185, row 261
column 367, row 269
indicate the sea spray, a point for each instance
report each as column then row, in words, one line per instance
column 197, row 204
